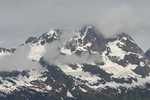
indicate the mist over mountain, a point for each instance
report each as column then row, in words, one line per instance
column 75, row 65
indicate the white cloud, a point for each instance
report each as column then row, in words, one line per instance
column 18, row 61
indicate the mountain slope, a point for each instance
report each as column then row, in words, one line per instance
column 148, row 53
column 75, row 65
column 4, row 51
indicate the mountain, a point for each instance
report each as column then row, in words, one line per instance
column 75, row 65
column 4, row 51
column 148, row 53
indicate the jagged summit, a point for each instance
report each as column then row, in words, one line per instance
column 92, row 28
column 86, row 40
column 75, row 65
column 124, row 35
column 46, row 37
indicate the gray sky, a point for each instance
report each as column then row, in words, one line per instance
column 20, row 19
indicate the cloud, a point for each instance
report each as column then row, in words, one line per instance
column 25, row 18
column 54, row 56
column 18, row 61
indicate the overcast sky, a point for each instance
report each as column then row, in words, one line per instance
column 20, row 19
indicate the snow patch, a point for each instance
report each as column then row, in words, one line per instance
column 115, row 50
column 5, row 54
column 117, row 70
column 124, row 38
column 36, row 52
column 50, row 32
column 82, row 89
column 142, row 64
column 69, row 94
column 65, row 51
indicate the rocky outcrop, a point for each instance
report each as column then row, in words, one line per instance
column 148, row 53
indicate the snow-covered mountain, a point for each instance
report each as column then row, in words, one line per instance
column 75, row 65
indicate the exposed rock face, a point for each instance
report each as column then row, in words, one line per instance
column 7, row 50
column 84, row 66
column 148, row 53
column 46, row 37
column 4, row 51
column 130, row 45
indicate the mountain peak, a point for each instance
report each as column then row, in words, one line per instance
column 46, row 37
column 91, row 29
column 88, row 39
column 125, row 36
column 85, row 27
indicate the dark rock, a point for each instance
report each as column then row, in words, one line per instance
column 7, row 50
column 9, row 74
column 148, row 53
column 31, row 39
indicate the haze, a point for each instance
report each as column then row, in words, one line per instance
column 20, row 19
